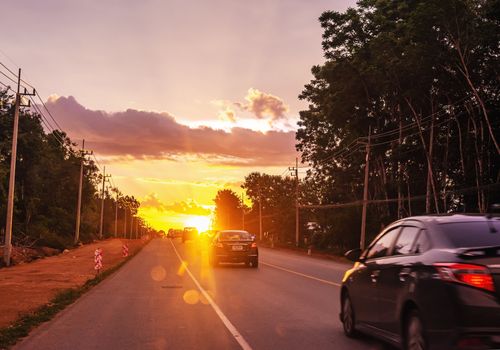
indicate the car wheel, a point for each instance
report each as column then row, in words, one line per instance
column 348, row 317
column 414, row 332
column 255, row 263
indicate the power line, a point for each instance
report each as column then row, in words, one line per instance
column 5, row 75
column 395, row 200
column 50, row 114
column 360, row 140
column 47, row 124
column 15, row 76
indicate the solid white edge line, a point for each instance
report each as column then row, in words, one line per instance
column 232, row 329
column 302, row 274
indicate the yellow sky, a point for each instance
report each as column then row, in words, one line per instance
column 189, row 97
column 174, row 181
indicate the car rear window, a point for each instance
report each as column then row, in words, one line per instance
column 473, row 234
column 235, row 235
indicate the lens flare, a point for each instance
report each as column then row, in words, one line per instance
column 202, row 223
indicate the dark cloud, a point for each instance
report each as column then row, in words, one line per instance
column 141, row 134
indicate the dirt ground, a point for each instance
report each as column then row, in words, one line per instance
column 27, row 286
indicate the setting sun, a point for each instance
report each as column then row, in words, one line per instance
column 202, row 223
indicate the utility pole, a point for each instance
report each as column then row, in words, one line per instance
column 124, row 220
column 83, row 153
column 131, row 224
column 243, row 210
column 104, row 177
column 260, row 214
column 116, row 215
column 365, row 190
column 12, row 177
column 296, row 175
column 136, row 227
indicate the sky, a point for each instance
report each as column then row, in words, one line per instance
column 177, row 98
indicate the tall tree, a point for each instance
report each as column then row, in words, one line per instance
column 228, row 210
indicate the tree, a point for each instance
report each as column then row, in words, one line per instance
column 46, row 183
column 228, row 210
column 276, row 196
column 423, row 74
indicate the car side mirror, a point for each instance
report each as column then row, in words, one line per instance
column 353, row 254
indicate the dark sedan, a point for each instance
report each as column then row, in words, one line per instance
column 234, row 246
column 430, row 282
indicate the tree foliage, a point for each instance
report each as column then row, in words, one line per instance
column 46, row 186
column 228, row 210
column 423, row 76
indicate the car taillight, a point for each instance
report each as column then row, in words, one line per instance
column 254, row 245
column 473, row 275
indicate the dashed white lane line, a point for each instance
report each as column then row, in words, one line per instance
column 232, row 329
column 302, row 274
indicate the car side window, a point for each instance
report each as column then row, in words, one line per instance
column 382, row 246
column 405, row 240
column 422, row 244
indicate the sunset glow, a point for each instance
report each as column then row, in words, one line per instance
column 202, row 223
column 175, row 129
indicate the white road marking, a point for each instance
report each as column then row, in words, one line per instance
column 232, row 329
column 302, row 274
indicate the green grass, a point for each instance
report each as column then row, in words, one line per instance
column 24, row 324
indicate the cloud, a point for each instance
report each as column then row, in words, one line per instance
column 264, row 105
column 152, row 201
column 186, row 208
column 142, row 134
column 227, row 114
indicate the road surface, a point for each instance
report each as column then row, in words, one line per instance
column 167, row 297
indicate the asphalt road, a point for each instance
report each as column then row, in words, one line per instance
column 167, row 297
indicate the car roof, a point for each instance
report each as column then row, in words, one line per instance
column 239, row 231
column 435, row 222
column 448, row 218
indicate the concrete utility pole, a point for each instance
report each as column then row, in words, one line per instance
column 365, row 191
column 243, row 210
column 131, row 224
column 12, row 177
column 136, row 227
column 104, row 177
column 83, row 153
column 260, row 214
column 296, row 175
column 116, row 216
column 124, row 220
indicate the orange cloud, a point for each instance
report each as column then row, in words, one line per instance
column 140, row 134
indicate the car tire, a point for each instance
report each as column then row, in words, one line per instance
column 414, row 335
column 255, row 263
column 348, row 317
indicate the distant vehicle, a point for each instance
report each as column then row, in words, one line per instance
column 189, row 233
column 232, row 246
column 170, row 233
column 174, row 233
column 429, row 282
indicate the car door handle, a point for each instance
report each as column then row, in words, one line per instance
column 374, row 275
column 404, row 273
